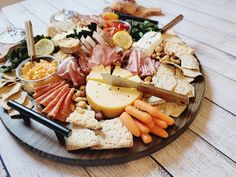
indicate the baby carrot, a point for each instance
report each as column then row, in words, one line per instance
column 146, row 138
column 150, row 124
column 143, row 128
column 160, row 123
column 140, row 115
column 159, row 132
column 153, row 111
column 130, row 124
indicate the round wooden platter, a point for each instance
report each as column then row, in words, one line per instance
column 44, row 141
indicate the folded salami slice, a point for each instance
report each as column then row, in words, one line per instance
column 40, row 90
column 56, row 108
column 49, row 92
column 46, row 101
column 65, row 108
column 40, row 87
column 56, row 99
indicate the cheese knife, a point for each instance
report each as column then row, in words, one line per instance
column 145, row 88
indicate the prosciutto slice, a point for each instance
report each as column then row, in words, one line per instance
column 69, row 69
column 104, row 55
column 143, row 66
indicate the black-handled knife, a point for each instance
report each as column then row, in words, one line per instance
column 64, row 131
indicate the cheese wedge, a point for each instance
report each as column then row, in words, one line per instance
column 148, row 43
column 95, row 74
column 108, row 69
column 109, row 99
column 135, row 78
column 118, row 71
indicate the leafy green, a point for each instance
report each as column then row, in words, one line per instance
column 16, row 56
column 138, row 29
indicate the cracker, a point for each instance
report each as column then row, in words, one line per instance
column 4, row 82
column 113, row 135
column 81, row 138
column 7, row 91
column 178, row 49
column 191, row 73
column 189, row 62
column 179, row 75
column 171, row 109
column 87, row 119
column 165, row 77
column 183, row 87
column 10, row 75
column 153, row 100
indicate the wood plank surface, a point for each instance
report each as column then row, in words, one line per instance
column 208, row 147
column 218, row 11
column 190, row 155
column 216, row 39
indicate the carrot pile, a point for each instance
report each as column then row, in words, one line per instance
column 142, row 119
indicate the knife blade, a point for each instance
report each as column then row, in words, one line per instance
column 148, row 89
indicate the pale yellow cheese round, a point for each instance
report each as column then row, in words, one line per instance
column 109, row 99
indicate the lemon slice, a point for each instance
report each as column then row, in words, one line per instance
column 122, row 39
column 44, row 47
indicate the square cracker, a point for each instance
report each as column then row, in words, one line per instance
column 81, row 138
column 113, row 135
column 87, row 119
column 189, row 62
column 184, row 87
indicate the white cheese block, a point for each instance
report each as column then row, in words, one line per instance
column 148, row 42
column 109, row 99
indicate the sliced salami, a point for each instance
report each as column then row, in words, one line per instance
column 65, row 108
column 46, row 101
column 56, row 99
column 40, row 90
column 49, row 92
column 40, row 87
column 55, row 110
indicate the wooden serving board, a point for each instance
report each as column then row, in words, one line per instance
column 44, row 142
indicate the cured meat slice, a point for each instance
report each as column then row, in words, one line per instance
column 46, row 101
column 40, row 90
column 56, row 99
column 70, row 70
column 40, row 87
column 65, row 108
column 143, row 66
column 55, row 110
column 49, row 92
column 103, row 55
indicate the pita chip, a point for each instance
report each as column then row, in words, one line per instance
column 7, row 91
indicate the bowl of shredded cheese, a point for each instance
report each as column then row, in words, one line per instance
column 41, row 71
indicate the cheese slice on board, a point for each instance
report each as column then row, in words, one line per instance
column 109, row 99
column 118, row 71
column 95, row 74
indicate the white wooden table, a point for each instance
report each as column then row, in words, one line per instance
column 208, row 147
